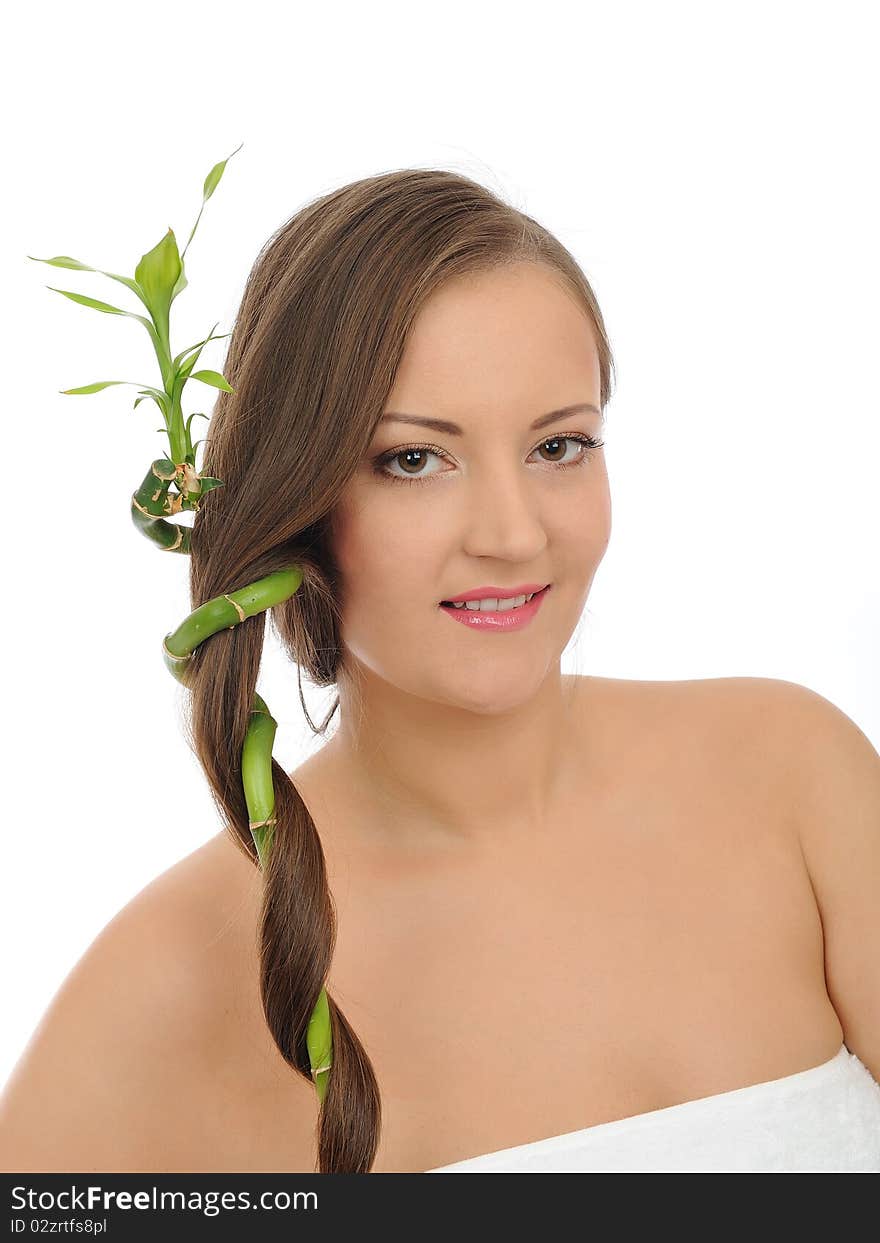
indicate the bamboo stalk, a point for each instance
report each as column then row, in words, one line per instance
column 224, row 612
column 159, row 277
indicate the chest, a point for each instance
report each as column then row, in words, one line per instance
column 658, row 943
column 668, row 948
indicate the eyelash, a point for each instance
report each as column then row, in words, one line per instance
column 591, row 443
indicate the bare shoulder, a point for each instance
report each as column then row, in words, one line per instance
column 746, row 712
column 153, row 1054
column 668, row 693
column 781, row 724
column 738, row 737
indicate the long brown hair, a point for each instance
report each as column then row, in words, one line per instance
column 312, row 357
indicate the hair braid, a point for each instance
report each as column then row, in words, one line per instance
column 273, row 825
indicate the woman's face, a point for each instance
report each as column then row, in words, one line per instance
column 499, row 503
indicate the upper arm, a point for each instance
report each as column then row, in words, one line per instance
column 836, row 804
column 93, row 1089
column 154, row 1054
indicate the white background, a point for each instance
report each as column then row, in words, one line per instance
column 713, row 169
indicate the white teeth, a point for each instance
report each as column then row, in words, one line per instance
column 493, row 606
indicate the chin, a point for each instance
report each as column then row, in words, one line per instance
column 492, row 695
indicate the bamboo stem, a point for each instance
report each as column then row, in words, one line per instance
column 224, row 612
column 159, row 277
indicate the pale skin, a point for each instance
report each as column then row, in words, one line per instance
column 472, row 748
column 561, row 900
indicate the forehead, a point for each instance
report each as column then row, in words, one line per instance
column 515, row 335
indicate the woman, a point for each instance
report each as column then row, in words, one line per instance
column 541, row 904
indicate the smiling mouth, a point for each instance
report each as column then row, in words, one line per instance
column 449, row 604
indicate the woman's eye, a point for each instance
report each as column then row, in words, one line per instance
column 410, row 461
column 412, row 458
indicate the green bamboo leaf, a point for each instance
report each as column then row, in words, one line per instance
column 92, row 388
column 185, row 370
column 213, row 178
column 210, row 337
column 211, row 182
column 160, row 398
column 213, row 378
column 97, row 386
column 157, row 274
column 196, row 415
column 92, row 302
column 208, row 484
column 97, row 305
column 65, row 261
column 181, row 282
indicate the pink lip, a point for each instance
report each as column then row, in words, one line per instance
column 497, row 593
column 502, row 619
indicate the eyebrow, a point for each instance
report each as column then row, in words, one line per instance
column 453, row 429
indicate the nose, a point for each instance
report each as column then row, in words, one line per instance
column 502, row 518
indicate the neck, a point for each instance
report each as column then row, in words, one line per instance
column 414, row 766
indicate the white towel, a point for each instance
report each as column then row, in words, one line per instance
column 822, row 1120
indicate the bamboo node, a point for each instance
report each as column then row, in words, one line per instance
column 237, row 607
column 177, row 541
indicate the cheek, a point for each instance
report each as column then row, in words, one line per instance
column 380, row 555
column 581, row 531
